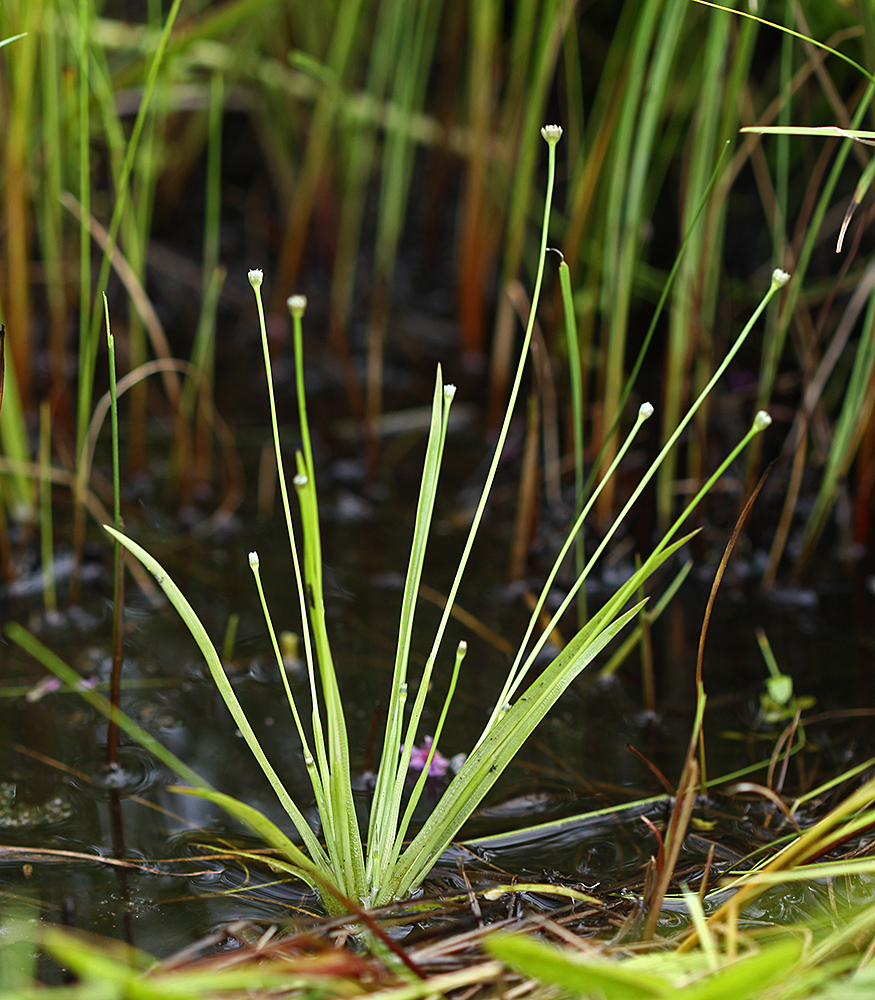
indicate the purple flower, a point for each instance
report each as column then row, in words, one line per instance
column 419, row 756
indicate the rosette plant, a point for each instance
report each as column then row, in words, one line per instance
column 387, row 863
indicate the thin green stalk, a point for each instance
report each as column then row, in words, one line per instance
column 323, row 757
column 419, row 787
column 782, row 151
column 51, row 227
column 476, row 241
column 694, row 292
column 204, row 347
column 572, row 62
column 255, row 279
column 341, row 822
column 113, row 396
column 654, row 321
column 230, row 639
column 412, row 60
column 648, row 682
column 47, row 546
column 537, row 47
column 312, row 770
column 213, row 193
column 575, row 375
column 360, row 154
column 319, row 133
column 88, row 351
column 551, row 135
column 89, row 331
column 519, row 668
column 337, row 778
column 779, row 279
column 795, row 34
column 83, row 412
column 16, row 445
column 20, row 72
column 657, row 37
column 118, row 566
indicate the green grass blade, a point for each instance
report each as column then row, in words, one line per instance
column 775, row 338
column 416, row 794
column 309, row 761
column 86, row 371
column 569, row 971
column 47, row 545
column 16, row 445
column 30, row 644
column 393, row 762
column 657, row 37
column 795, row 34
column 492, row 755
column 853, row 418
column 268, row 831
column 340, row 821
column 83, row 91
column 859, row 135
column 575, row 375
column 214, row 663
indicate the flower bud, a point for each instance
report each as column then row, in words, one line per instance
column 297, row 305
column 779, row 278
column 552, row 134
column 761, row 421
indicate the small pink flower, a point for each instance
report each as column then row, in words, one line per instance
column 419, row 755
column 46, row 686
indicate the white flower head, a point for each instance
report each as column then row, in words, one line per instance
column 779, row 278
column 761, row 421
column 256, row 276
column 645, row 411
column 253, row 560
column 552, row 134
column 297, row 304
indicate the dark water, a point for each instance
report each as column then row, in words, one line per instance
column 56, row 796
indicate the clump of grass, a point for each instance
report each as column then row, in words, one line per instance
column 345, row 871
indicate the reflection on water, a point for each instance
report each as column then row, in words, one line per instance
column 18, row 811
